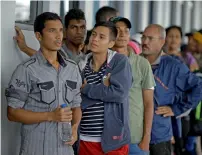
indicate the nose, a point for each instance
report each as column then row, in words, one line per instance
column 59, row 34
column 95, row 38
column 79, row 30
column 121, row 34
column 145, row 40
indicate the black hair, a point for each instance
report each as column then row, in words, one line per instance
column 77, row 14
column 174, row 27
column 112, row 28
column 104, row 12
column 39, row 23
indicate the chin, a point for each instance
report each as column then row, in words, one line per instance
column 146, row 52
column 78, row 42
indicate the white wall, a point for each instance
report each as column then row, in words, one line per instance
column 10, row 58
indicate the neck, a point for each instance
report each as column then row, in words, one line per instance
column 73, row 48
column 98, row 60
column 172, row 51
column 122, row 50
column 51, row 56
column 152, row 58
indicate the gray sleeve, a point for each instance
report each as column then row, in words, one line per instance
column 77, row 98
column 18, row 88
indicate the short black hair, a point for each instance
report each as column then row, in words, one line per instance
column 112, row 28
column 104, row 12
column 39, row 23
column 77, row 14
column 174, row 27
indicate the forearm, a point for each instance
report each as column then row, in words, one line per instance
column 105, row 93
column 29, row 51
column 148, row 113
column 76, row 117
column 28, row 117
column 148, row 118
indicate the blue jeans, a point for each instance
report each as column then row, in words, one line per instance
column 135, row 150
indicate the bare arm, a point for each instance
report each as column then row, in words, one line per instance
column 148, row 117
column 30, row 117
column 20, row 38
column 76, row 117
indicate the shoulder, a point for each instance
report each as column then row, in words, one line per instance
column 29, row 62
column 70, row 61
column 170, row 60
column 120, row 57
column 173, row 62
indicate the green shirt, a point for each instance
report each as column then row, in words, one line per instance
column 142, row 79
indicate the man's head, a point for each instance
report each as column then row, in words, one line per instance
column 103, row 36
column 198, row 37
column 153, row 39
column 48, row 30
column 75, row 24
column 123, row 26
column 105, row 13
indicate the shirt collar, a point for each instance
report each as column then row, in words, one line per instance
column 43, row 60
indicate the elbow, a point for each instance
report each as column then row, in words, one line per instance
column 10, row 114
column 121, row 97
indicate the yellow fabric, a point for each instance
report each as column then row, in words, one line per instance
column 198, row 36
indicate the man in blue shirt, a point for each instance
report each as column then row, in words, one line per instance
column 177, row 90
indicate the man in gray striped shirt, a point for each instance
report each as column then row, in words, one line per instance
column 37, row 89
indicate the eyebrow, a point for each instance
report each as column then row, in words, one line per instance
column 123, row 27
column 52, row 28
column 75, row 25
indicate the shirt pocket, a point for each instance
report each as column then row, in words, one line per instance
column 70, row 88
column 47, row 91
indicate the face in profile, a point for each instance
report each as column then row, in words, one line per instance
column 52, row 35
column 76, row 31
column 100, row 40
column 152, row 42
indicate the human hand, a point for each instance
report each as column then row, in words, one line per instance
column 165, row 111
column 20, row 39
column 62, row 114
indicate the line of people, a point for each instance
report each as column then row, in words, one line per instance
column 120, row 102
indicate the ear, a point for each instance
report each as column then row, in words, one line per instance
column 163, row 42
column 38, row 36
column 111, row 44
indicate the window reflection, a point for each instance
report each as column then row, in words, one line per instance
column 22, row 11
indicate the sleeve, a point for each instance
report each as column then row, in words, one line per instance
column 19, row 88
column 120, row 83
column 190, row 87
column 77, row 98
column 148, row 81
column 191, row 59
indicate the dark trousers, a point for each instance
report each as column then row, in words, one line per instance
column 163, row 148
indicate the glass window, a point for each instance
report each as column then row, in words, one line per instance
column 22, row 11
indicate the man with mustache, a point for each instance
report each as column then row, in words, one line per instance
column 75, row 31
column 177, row 90
column 141, row 92
column 39, row 86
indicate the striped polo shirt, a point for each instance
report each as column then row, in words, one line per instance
column 92, row 122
